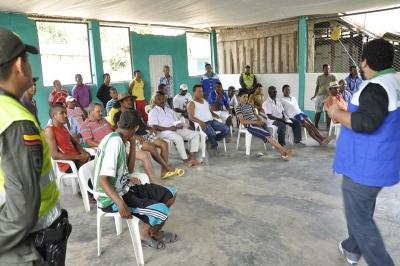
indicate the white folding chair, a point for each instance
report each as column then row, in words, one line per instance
column 86, row 173
column 335, row 126
column 248, row 135
column 203, row 138
column 62, row 175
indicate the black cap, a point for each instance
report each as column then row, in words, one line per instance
column 247, row 66
column 11, row 46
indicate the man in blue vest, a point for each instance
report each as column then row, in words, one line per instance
column 208, row 81
column 367, row 151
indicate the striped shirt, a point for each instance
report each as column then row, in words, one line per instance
column 77, row 114
column 247, row 111
column 169, row 84
column 110, row 104
column 95, row 130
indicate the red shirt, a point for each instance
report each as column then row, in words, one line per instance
column 64, row 144
column 55, row 96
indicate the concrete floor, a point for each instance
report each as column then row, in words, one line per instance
column 243, row 210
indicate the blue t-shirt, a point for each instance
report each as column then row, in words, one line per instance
column 224, row 99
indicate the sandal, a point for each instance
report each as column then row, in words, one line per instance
column 168, row 174
column 151, row 242
column 285, row 158
column 167, row 236
column 179, row 172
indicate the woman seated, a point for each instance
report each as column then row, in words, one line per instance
column 255, row 124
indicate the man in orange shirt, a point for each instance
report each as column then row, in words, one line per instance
column 136, row 88
column 333, row 88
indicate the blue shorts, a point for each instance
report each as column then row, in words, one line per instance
column 300, row 117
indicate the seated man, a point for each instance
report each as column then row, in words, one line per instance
column 161, row 88
column 347, row 96
column 333, row 89
column 181, row 101
column 200, row 113
column 71, row 125
column 292, row 109
column 274, row 110
column 257, row 98
column 164, row 120
column 61, row 144
column 75, row 111
column 233, row 102
column 149, row 202
column 218, row 99
column 148, row 141
column 255, row 124
column 114, row 98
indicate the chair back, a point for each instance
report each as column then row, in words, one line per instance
column 147, row 109
column 86, row 172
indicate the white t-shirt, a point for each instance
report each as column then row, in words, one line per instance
column 291, row 106
column 111, row 161
column 182, row 102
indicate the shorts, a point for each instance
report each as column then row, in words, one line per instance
column 149, row 137
column 300, row 117
column 147, row 202
column 320, row 105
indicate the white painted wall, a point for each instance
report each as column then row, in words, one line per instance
column 278, row 80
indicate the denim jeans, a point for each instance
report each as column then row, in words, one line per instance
column 296, row 127
column 364, row 237
column 213, row 126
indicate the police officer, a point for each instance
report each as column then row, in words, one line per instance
column 248, row 80
column 29, row 199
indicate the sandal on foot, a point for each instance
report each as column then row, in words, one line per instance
column 167, row 237
column 168, row 174
column 326, row 141
column 179, row 172
column 285, row 158
column 195, row 163
column 151, row 242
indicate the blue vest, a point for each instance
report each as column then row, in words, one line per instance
column 209, row 82
column 373, row 159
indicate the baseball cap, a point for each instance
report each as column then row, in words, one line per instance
column 184, row 87
column 69, row 99
column 247, row 66
column 11, row 46
column 35, row 79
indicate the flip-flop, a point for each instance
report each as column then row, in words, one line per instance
column 151, row 242
column 290, row 153
column 168, row 174
column 167, row 236
column 285, row 158
column 179, row 172
column 326, row 141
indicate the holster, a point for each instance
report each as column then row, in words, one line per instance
column 52, row 242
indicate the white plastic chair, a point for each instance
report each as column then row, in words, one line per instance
column 336, row 126
column 242, row 130
column 147, row 109
column 86, row 173
column 290, row 136
column 203, row 138
column 62, row 175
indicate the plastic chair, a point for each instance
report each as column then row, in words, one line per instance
column 242, row 130
column 86, row 173
column 62, row 175
column 336, row 126
column 147, row 109
column 203, row 138
column 290, row 136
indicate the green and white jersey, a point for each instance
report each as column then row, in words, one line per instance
column 111, row 161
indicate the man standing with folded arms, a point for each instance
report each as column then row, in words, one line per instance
column 367, row 151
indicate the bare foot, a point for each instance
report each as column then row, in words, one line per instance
column 195, row 162
column 288, row 152
column 188, row 163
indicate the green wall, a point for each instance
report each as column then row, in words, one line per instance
column 142, row 47
column 145, row 45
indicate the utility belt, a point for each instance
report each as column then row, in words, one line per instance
column 51, row 242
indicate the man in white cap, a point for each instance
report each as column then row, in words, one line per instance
column 181, row 102
column 75, row 111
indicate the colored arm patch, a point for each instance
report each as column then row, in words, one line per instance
column 32, row 140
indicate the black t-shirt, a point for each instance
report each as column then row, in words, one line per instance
column 103, row 94
column 372, row 109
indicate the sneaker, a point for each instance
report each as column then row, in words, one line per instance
column 353, row 257
column 227, row 139
column 214, row 151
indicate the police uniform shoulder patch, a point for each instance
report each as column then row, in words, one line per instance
column 32, row 140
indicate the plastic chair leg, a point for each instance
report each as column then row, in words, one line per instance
column 133, row 226
column 203, row 145
column 248, row 142
column 118, row 224
column 74, row 182
column 99, row 229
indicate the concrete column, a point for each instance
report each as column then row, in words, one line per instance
column 95, row 53
column 214, row 57
column 302, row 59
